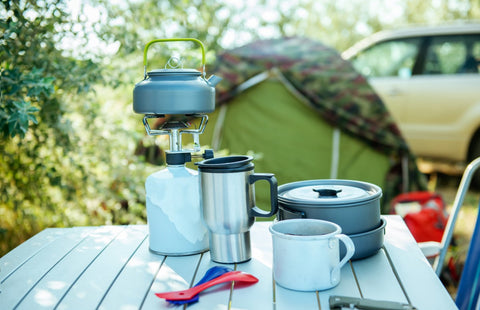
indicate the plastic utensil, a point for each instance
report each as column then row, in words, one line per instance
column 211, row 274
column 236, row 276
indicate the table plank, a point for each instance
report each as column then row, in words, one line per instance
column 133, row 283
column 176, row 273
column 261, row 294
column 258, row 295
column 25, row 278
column 347, row 287
column 419, row 280
column 216, row 298
column 27, row 250
column 88, row 290
column 377, row 279
column 54, row 285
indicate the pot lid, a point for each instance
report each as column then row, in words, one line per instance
column 158, row 72
column 321, row 192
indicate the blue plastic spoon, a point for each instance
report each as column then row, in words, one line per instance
column 211, row 274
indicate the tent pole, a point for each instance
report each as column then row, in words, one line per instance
column 335, row 153
column 405, row 180
column 218, row 129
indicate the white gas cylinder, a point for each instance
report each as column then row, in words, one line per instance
column 173, row 212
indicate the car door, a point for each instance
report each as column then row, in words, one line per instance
column 441, row 97
column 388, row 65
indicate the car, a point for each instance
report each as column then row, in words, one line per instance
column 428, row 77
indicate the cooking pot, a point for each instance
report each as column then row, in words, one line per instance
column 175, row 90
column 353, row 205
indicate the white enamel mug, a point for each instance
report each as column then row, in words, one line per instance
column 306, row 254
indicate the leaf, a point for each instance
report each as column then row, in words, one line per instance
column 32, row 118
column 18, row 120
column 17, row 124
column 37, row 84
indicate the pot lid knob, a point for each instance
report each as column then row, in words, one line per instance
column 326, row 192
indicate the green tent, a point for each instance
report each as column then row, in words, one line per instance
column 305, row 113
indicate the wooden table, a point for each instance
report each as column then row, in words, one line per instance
column 110, row 267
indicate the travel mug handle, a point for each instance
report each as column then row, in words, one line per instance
column 252, row 178
column 335, row 275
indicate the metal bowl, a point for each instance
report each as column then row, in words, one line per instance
column 367, row 243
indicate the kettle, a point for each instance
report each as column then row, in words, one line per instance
column 175, row 90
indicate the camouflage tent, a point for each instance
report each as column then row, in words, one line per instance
column 307, row 114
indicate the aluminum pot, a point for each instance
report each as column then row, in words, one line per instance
column 354, row 205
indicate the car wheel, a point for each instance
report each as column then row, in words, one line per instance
column 473, row 153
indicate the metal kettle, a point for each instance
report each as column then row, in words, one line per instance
column 175, row 90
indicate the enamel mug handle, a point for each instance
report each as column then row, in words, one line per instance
column 172, row 40
column 335, row 275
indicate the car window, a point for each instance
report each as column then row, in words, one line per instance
column 453, row 55
column 389, row 58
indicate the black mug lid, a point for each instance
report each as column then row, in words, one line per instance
column 234, row 163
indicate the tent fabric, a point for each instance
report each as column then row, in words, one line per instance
column 342, row 96
column 292, row 123
column 292, row 134
column 285, row 138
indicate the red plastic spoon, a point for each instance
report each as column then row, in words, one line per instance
column 236, row 276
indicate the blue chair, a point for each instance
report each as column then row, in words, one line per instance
column 469, row 287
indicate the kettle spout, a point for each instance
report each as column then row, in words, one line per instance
column 213, row 80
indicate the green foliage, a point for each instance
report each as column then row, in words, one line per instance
column 19, row 92
column 67, row 152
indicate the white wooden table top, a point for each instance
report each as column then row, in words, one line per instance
column 110, row 267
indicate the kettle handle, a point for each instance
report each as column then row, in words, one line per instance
column 172, row 40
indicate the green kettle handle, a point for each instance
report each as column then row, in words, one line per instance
column 171, row 40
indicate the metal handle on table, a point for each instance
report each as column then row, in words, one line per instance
column 344, row 302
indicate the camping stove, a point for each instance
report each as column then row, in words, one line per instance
column 174, row 129
column 172, row 194
column 177, row 155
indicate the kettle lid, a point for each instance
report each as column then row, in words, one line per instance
column 160, row 72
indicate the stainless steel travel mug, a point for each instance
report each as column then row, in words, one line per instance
column 228, row 205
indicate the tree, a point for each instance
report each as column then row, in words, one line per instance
column 222, row 24
column 64, row 156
